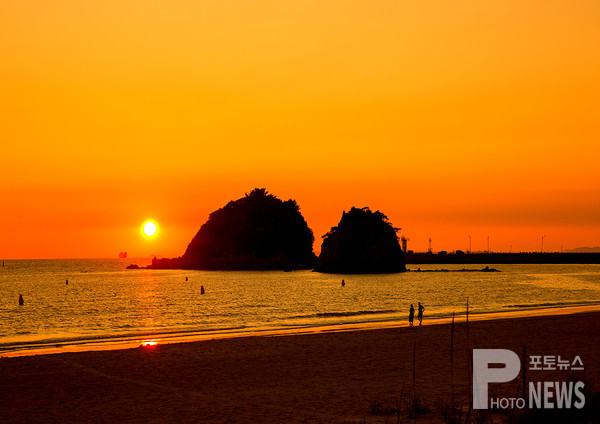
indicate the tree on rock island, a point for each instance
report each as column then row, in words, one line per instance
column 364, row 242
column 258, row 231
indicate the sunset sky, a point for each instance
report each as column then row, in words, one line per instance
column 452, row 118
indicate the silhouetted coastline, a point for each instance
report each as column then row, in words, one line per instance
column 364, row 242
column 502, row 258
column 412, row 258
column 262, row 232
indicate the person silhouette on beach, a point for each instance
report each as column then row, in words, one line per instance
column 343, row 283
column 201, row 289
column 21, row 301
column 420, row 315
column 411, row 315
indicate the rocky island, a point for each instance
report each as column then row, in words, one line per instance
column 257, row 232
column 364, row 242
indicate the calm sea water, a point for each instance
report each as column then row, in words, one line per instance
column 104, row 302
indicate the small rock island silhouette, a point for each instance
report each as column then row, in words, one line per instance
column 364, row 242
column 257, row 232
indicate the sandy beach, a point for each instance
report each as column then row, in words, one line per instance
column 327, row 377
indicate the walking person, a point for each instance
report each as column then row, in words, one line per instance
column 411, row 315
column 420, row 314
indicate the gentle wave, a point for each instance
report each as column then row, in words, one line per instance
column 343, row 314
column 57, row 341
column 552, row 304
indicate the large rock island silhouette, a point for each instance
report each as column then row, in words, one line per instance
column 364, row 242
column 257, row 232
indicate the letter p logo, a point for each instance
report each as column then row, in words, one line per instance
column 483, row 374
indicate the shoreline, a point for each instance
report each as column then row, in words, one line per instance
column 336, row 377
column 129, row 342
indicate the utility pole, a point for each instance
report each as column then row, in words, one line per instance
column 469, row 235
column 543, row 237
column 488, row 244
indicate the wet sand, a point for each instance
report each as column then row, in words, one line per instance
column 327, row 377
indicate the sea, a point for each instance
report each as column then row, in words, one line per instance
column 105, row 304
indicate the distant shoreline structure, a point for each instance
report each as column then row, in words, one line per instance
column 502, row 258
column 485, row 258
column 584, row 250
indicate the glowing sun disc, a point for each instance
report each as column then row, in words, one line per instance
column 149, row 228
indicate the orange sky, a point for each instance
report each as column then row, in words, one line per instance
column 478, row 118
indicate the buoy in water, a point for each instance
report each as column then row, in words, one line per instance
column 201, row 289
column 343, row 283
column 21, row 301
column 186, row 279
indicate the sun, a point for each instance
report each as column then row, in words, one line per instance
column 149, row 228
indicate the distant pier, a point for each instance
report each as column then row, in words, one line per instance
column 502, row 258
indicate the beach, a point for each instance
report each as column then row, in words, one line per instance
column 325, row 377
